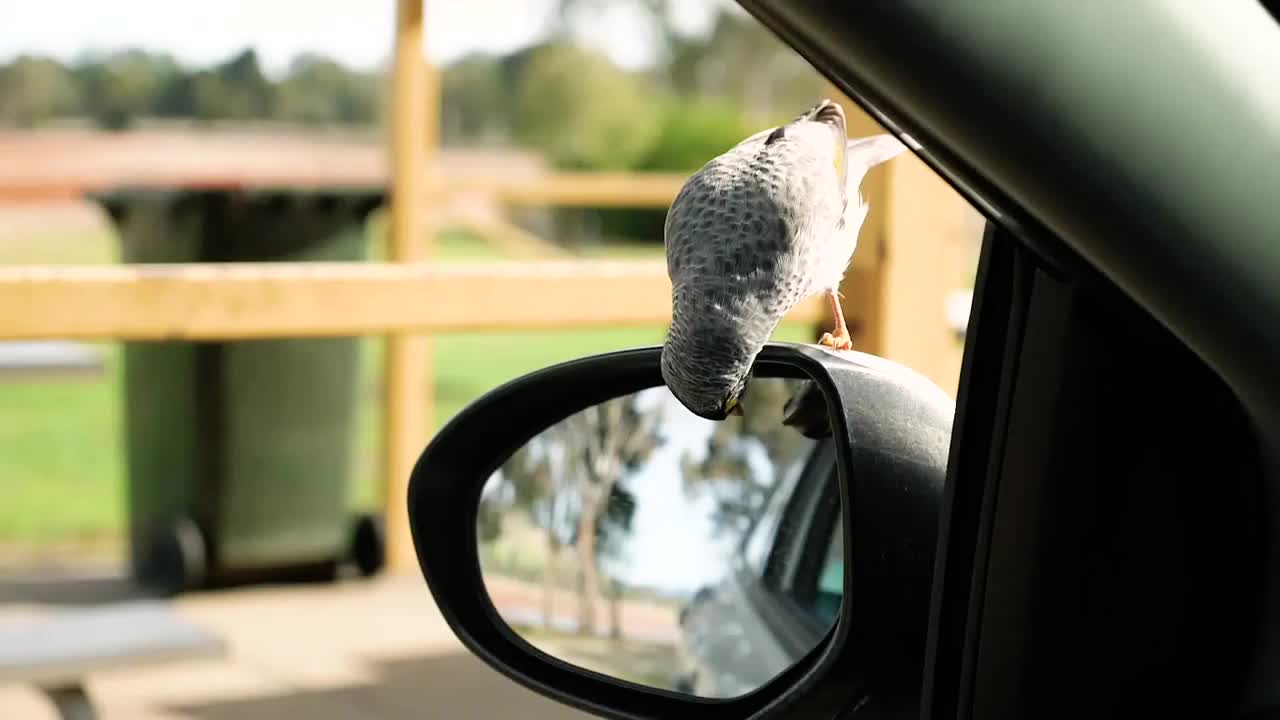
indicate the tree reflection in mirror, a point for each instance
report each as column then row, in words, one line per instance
column 639, row 541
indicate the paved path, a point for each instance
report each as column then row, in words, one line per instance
column 358, row 649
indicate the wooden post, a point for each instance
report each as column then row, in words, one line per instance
column 910, row 257
column 407, row 373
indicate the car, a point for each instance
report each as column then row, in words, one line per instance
column 767, row 613
column 1095, row 534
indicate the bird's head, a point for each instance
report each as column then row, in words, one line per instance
column 816, row 138
column 706, row 366
column 824, row 127
column 827, row 112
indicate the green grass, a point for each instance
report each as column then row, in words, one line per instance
column 62, row 464
column 89, row 247
column 644, row 663
column 61, row 457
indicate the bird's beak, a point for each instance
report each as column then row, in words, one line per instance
column 733, row 407
column 829, row 111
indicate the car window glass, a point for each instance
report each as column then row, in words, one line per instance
column 792, row 554
column 761, row 541
column 817, row 592
column 826, row 603
column 819, row 598
column 758, row 545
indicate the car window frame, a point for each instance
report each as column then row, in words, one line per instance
column 791, row 625
column 765, row 526
column 824, row 517
column 775, row 506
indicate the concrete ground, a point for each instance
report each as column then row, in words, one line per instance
column 355, row 649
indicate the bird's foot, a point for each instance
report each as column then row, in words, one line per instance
column 839, row 341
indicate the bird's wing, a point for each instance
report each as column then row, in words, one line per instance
column 864, row 153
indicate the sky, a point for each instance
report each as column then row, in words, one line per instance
column 357, row 32
column 672, row 547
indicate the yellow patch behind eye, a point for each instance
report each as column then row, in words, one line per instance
column 839, row 159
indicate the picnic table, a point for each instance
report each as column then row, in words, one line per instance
column 27, row 360
column 59, row 653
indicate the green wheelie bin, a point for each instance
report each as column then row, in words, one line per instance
column 240, row 453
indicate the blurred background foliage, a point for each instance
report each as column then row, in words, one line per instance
column 559, row 97
column 565, row 99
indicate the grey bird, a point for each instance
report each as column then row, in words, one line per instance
column 772, row 221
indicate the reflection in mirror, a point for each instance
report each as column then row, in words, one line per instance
column 642, row 542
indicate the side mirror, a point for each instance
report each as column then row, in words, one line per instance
column 588, row 537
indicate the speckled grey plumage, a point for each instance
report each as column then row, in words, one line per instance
column 770, row 222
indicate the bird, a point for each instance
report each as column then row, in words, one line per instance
column 766, row 224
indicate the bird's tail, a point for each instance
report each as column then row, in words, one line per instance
column 867, row 152
column 864, row 153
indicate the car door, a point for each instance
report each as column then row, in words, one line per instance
column 1108, row 541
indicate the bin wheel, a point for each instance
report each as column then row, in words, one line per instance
column 175, row 559
column 685, row 685
column 368, row 546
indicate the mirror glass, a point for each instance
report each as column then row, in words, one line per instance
column 642, row 542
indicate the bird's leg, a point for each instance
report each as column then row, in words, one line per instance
column 839, row 340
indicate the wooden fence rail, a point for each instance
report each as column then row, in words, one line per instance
column 568, row 189
column 252, row 300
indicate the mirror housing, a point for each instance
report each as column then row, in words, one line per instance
column 891, row 431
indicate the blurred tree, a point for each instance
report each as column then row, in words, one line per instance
column 319, row 91
column 175, row 98
column 117, row 89
column 609, row 440
column 745, row 457
column 489, row 519
column 475, row 101
column 234, row 90
column 743, row 62
column 657, row 15
column 512, row 66
column 536, row 484
column 737, row 60
column 692, row 132
column 723, row 84
column 34, row 90
column 570, row 479
column 583, row 111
